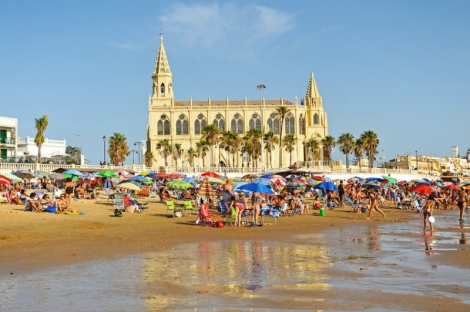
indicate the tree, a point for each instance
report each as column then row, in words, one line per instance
column 148, row 159
column 176, row 151
column 312, row 144
column 118, row 148
column 358, row 151
column 371, row 141
column 211, row 134
column 236, row 145
column 346, row 142
column 289, row 143
column 281, row 112
column 269, row 140
column 192, row 153
column 41, row 126
column 74, row 153
column 164, row 148
column 202, row 148
column 329, row 143
column 226, row 141
column 252, row 144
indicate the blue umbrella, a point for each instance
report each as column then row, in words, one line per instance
column 291, row 176
column 359, row 178
column 263, row 181
column 236, row 186
column 266, row 176
column 373, row 179
column 73, row 172
column 190, row 180
column 138, row 178
column 255, row 187
column 326, row 186
column 426, row 180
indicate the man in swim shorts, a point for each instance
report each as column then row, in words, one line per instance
column 462, row 202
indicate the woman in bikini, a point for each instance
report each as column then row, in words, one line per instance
column 373, row 203
column 427, row 211
column 69, row 190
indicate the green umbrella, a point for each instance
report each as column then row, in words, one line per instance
column 107, row 173
column 179, row 184
column 12, row 177
column 390, row 179
column 70, row 176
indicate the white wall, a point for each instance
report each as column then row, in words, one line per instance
column 48, row 149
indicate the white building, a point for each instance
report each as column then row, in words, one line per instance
column 8, row 131
column 49, row 148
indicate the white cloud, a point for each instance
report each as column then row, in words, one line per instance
column 228, row 29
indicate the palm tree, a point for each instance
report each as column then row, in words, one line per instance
column 281, row 112
column 226, row 141
column 312, row 144
column 211, row 134
column 164, row 147
column 118, row 149
column 148, row 159
column 41, row 125
column 359, row 151
column 237, row 141
column 176, row 151
column 346, row 142
column 202, row 148
column 74, row 153
column 252, row 142
column 329, row 143
column 192, row 153
column 371, row 141
column 289, row 143
column 270, row 139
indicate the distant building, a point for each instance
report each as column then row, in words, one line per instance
column 454, row 151
column 8, row 131
column 49, row 149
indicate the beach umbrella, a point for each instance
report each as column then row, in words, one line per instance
column 295, row 184
column 390, row 179
column 73, row 172
column 266, row 176
column 263, row 181
column 106, row 173
column 236, row 179
column 210, row 174
column 423, row 189
column 56, row 176
column 326, row 186
column 236, row 186
column 250, row 176
column 129, row 186
column 452, row 187
column 372, row 185
column 314, row 182
column 179, row 184
column 138, row 178
column 145, row 173
column 69, row 176
column 12, row 177
column 205, row 189
column 123, row 173
column 319, row 178
column 212, row 180
column 5, row 180
column 190, row 180
column 24, row 174
column 158, row 175
column 175, row 176
column 279, row 181
column 255, row 187
column 373, row 179
column 291, row 176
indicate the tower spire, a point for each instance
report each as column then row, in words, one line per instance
column 312, row 90
column 161, row 65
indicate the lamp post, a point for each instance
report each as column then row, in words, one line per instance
column 104, row 149
column 139, row 151
column 417, row 161
column 133, row 153
column 80, row 148
column 261, row 87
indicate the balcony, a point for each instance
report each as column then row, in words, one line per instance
column 4, row 141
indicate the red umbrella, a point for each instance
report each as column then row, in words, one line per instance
column 319, row 178
column 423, row 189
column 452, row 187
column 205, row 190
column 174, row 176
column 210, row 174
column 4, row 180
column 161, row 175
column 279, row 181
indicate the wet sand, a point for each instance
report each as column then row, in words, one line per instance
column 147, row 262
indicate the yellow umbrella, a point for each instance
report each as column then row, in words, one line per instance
column 129, row 186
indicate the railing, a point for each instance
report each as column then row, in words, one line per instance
column 7, row 141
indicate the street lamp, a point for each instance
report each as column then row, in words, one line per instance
column 261, row 87
column 139, row 151
column 417, row 160
column 104, row 149
column 133, row 153
column 80, row 148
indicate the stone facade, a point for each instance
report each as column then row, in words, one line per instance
column 182, row 121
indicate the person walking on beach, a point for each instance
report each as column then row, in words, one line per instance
column 372, row 195
column 69, row 190
column 462, row 202
column 341, row 193
column 427, row 211
column 106, row 186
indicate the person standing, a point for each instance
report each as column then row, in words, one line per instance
column 341, row 193
column 106, row 186
column 372, row 195
column 462, row 202
column 69, row 190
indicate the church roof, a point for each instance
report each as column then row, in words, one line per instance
column 161, row 65
column 232, row 103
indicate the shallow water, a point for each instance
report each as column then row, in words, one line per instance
column 252, row 275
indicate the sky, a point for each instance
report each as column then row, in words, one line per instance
column 399, row 68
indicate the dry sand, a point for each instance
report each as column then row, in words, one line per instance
column 33, row 241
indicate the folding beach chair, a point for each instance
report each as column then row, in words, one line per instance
column 204, row 216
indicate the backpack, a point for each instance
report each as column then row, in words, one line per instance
column 117, row 213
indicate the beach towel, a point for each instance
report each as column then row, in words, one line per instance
column 51, row 209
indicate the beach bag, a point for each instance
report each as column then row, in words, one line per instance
column 52, row 209
column 117, row 213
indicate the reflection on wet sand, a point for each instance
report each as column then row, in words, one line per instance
column 210, row 272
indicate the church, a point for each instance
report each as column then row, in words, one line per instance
column 182, row 122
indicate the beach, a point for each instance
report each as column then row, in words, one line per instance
column 146, row 262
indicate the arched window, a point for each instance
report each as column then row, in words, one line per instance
column 219, row 122
column 237, row 124
column 273, row 124
column 163, row 126
column 199, row 124
column 316, row 120
column 182, row 125
column 289, row 124
column 301, row 124
column 255, row 122
column 162, row 89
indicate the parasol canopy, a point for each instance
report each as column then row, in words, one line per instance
column 205, row 189
column 129, row 186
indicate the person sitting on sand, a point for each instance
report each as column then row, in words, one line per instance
column 14, row 196
column 32, row 203
column 316, row 203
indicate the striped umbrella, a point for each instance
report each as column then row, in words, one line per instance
column 205, row 189
column 179, row 184
column 212, row 180
column 262, row 181
column 279, row 181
